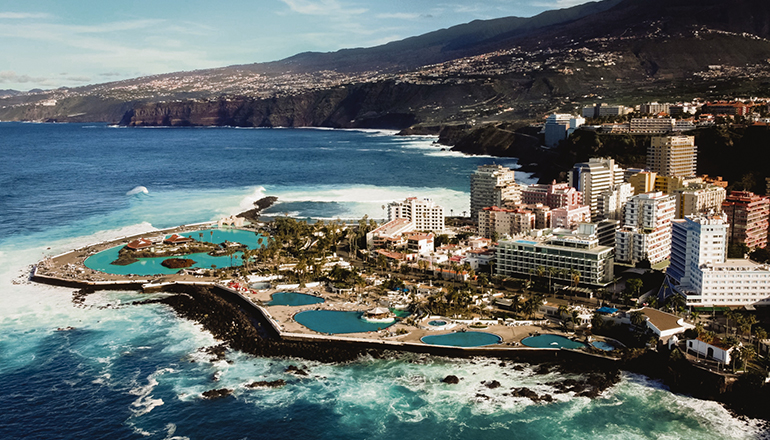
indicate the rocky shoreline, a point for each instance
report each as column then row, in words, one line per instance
column 241, row 330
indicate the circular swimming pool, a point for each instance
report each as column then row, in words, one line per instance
column 463, row 339
column 551, row 341
column 293, row 299
column 333, row 322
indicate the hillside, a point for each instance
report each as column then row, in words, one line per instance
column 507, row 69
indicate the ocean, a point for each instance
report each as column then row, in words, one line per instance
column 137, row 371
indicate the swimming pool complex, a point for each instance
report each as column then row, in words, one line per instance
column 152, row 266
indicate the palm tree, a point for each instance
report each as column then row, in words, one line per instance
column 635, row 286
column 638, row 318
column 575, row 277
column 551, row 272
column 562, row 311
column 747, row 355
column 760, row 334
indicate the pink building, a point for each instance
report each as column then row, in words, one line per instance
column 568, row 217
column 554, row 195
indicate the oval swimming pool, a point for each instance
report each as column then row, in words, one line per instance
column 293, row 299
column 333, row 322
column 463, row 339
column 551, row 341
column 601, row 345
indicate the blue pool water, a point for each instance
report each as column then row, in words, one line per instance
column 463, row 339
column 551, row 341
column 293, row 299
column 333, row 321
column 601, row 345
column 152, row 266
column 437, row 323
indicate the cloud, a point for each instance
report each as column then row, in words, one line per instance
column 401, row 15
column 22, row 15
column 322, row 7
column 110, row 74
column 9, row 76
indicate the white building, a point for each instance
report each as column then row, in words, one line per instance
column 703, row 274
column 559, row 126
column 651, row 125
column 716, row 350
column 594, row 177
column 697, row 198
column 425, row 214
column 612, row 201
column 646, row 231
column 487, row 186
column 564, row 253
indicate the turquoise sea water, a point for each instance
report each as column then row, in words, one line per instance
column 463, row 339
column 551, row 341
column 135, row 372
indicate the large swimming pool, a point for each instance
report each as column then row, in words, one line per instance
column 333, row 321
column 551, row 341
column 463, row 339
column 152, row 266
column 293, row 299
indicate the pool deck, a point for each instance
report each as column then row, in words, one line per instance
column 68, row 269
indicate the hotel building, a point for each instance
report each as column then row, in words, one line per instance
column 488, row 185
column 747, row 214
column 698, row 198
column 554, row 195
column 594, row 177
column 424, row 214
column 582, row 253
column 702, row 273
column 646, row 231
column 672, row 155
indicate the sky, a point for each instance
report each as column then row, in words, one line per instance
column 53, row 43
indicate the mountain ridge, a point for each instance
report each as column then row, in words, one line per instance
column 511, row 68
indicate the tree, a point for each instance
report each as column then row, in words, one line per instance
column 575, row 277
column 638, row 318
column 562, row 311
column 737, row 250
column 551, row 272
column 634, row 285
column 760, row 334
column 747, row 354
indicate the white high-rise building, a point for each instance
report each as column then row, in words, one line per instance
column 696, row 240
column 646, row 231
column 612, row 201
column 594, row 177
column 703, row 274
column 559, row 126
column 487, row 187
column 424, row 214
